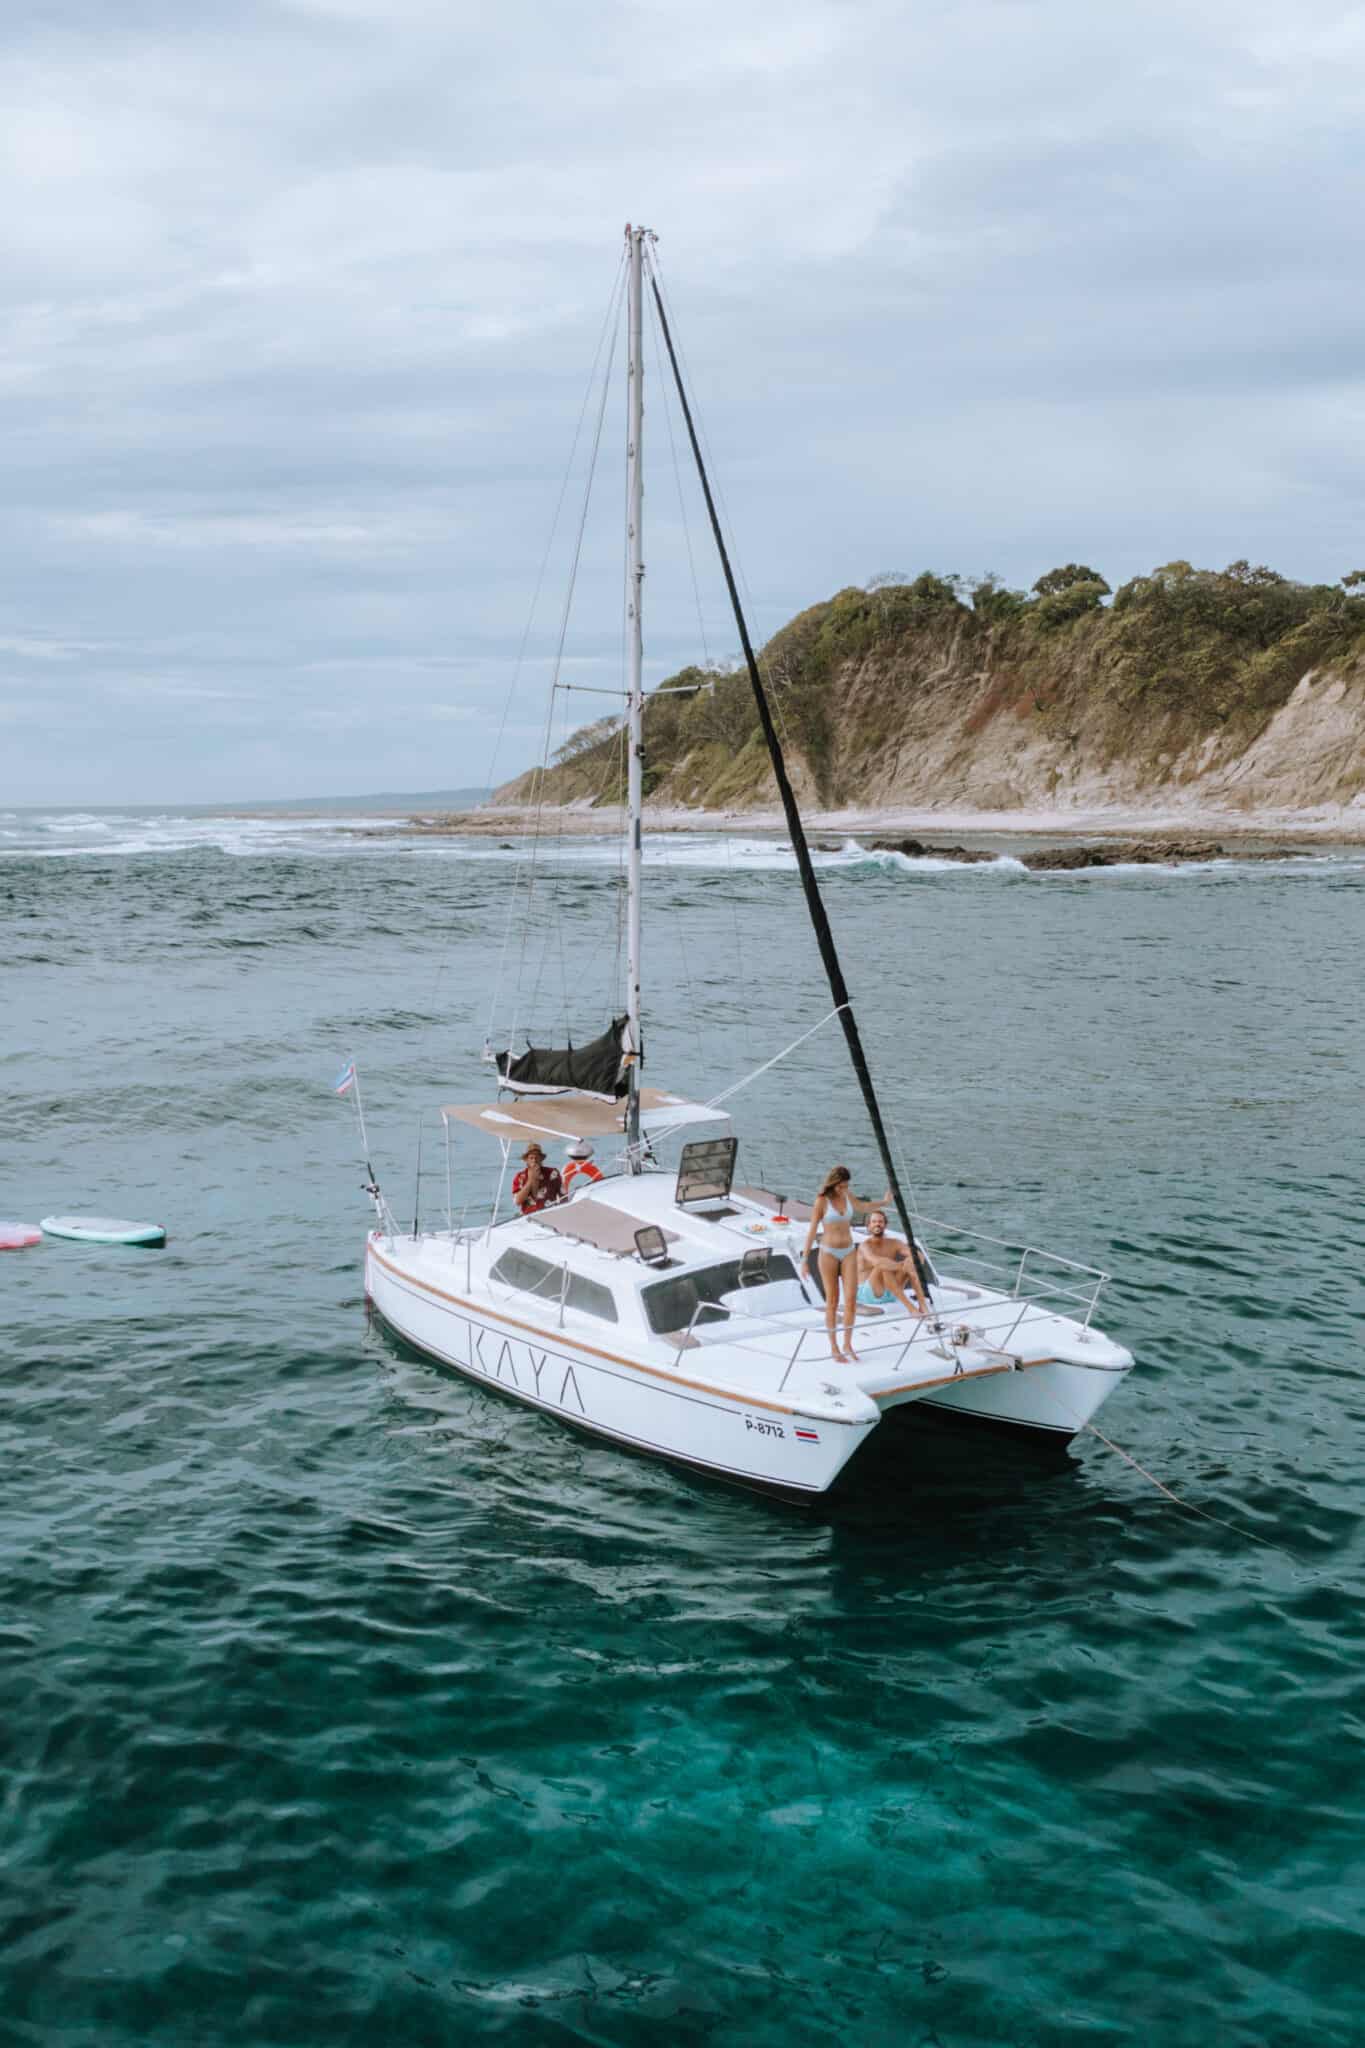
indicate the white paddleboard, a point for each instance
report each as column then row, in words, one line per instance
column 104, row 1230
column 15, row 1236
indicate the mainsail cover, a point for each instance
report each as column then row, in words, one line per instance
column 594, row 1069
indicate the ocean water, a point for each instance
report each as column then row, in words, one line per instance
column 342, row 1703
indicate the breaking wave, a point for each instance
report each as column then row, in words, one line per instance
column 132, row 832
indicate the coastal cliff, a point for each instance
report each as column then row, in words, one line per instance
column 1235, row 690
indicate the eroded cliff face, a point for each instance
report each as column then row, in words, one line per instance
column 1193, row 692
column 1311, row 753
column 999, row 740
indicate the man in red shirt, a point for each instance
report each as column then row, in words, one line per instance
column 537, row 1184
column 581, row 1167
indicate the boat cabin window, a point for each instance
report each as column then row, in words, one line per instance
column 531, row 1275
column 671, row 1304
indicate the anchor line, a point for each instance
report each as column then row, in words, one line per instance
column 1188, row 1506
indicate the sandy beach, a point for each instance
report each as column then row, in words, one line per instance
column 1337, row 823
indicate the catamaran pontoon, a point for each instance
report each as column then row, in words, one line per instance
column 666, row 1311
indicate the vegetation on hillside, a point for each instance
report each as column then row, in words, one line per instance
column 1180, row 653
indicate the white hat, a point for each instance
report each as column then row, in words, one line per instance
column 581, row 1150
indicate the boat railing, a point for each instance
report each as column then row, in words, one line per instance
column 992, row 1327
column 1008, row 1264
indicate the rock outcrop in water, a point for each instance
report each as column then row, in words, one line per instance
column 1133, row 853
column 1236, row 690
column 919, row 849
column 1109, row 853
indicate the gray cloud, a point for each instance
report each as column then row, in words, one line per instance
column 299, row 301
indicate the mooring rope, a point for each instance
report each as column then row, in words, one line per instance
column 1188, row 1506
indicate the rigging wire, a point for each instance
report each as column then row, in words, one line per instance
column 620, row 769
column 814, row 901
column 666, row 398
column 902, row 1157
column 689, row 983
column 622, row 890
column 735, row 1086
column 555, row 923
column 657, row 277
column 777, row 682
column 778, row 685
column 774, row 684
column 609, row 327
column 542, row 771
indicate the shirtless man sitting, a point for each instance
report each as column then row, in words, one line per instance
column 884, row 1266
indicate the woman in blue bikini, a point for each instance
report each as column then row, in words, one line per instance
column 837, row 1208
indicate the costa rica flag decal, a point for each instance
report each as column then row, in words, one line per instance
column 806, row 1436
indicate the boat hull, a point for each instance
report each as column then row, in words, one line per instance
column 747, row 1440
column 1051, row 1402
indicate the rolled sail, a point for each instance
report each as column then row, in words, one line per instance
column 596, row 1069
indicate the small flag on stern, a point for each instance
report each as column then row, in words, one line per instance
column 807, row 1436
column 346, row 1078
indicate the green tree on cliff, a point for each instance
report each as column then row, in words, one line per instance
column 1058, row 580
column 1065, row 594
column 993, row 600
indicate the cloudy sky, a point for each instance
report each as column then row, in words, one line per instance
column 300, row 299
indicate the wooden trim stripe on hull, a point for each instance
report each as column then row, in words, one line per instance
column 655, row 1372
column 899, row 1395
column 771, row 1488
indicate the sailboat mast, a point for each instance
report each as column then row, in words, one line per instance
column 635, row 576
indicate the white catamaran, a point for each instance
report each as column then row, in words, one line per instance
column 666, row 1311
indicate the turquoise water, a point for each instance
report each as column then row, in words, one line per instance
column 340, row 1702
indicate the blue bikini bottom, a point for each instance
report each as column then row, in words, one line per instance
column 839, row 1251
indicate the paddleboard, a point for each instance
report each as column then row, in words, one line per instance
column 14, row 1236
column 104, row 1230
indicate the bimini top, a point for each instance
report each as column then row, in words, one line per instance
column 580, row 1116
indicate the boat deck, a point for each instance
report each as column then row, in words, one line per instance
column 767, row 1344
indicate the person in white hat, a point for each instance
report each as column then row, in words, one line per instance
column 581, row 1167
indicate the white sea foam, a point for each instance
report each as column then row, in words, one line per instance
column 59, row 835
column 127, row 833
column 890, row 861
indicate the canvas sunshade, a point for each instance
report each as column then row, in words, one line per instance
column 578, row 1116
column 595, row 1223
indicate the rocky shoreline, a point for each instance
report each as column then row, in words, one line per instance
column 1120, row 853
column 1028, row 839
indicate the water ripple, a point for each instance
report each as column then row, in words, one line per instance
column 342, row 1702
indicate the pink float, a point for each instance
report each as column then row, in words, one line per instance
column 14, row 1236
